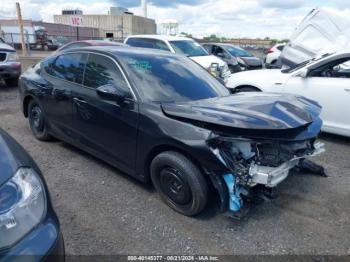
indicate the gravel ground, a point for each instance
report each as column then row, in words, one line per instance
column 103, row 211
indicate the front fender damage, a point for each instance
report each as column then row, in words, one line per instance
column 256, row 166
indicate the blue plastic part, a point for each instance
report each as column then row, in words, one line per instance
column 234, row 191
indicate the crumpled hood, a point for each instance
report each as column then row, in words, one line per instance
column 5, row 47
column 260, row 111
column 207, row 60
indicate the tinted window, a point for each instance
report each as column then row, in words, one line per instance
column 161, row 45
column 75, row 45
column 139, row 42
column 101, row 70
column 280, row 47
column 188, row 48
column 69, row 67
column 208, row 48
column 237, row 51
column 170, row 78
column 147, row 43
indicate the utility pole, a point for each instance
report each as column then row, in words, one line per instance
column 20, row 22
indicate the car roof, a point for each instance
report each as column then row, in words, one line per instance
column 162, row 37
column 116, row 50
column 98, row 42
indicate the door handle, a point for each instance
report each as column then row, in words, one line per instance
column 347, row 89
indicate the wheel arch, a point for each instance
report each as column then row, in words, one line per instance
column 212, row 179
column 163, row 148
column 240, row 87
column 25, row 104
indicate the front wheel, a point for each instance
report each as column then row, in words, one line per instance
column 37, row 121
column 179, row 182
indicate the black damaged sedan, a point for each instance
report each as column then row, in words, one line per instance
column 29, row 227
column 161, row 117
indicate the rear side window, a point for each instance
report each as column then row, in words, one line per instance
column 148, row 43
column 101, row 70
column 208, row 48
column 69, row 67
column 280, row 47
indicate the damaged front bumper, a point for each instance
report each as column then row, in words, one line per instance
column 258, row 163
column 272, row 176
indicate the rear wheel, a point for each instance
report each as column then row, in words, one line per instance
column 179, row 182
column 37, row 121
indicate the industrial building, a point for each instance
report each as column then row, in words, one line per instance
column 118, row 23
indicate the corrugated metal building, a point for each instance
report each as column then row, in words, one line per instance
column 114, row 26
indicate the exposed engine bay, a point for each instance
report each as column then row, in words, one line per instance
column 253, row 162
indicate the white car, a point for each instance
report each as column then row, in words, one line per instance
column 325, row 79
column 273, row 54
column 185, row 46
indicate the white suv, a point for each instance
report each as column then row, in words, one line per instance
column 273, row 54
column 185, row 46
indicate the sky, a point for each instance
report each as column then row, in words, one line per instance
column 228, row 18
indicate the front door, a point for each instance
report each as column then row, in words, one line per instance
column 329, row 85
column 105, row 127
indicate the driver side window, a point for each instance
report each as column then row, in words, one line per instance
column 335, row 69
column 101, row 70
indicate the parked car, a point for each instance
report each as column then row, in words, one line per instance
column 184, row 46
column 29, row 226
column 158, row 116
column 85, row 43
column 10, row 66
column 221, row 52
column 320, row 32
column 324, row 79
column 272, row 56
column 229, row 52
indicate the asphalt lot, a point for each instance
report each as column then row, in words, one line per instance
column 103, row 211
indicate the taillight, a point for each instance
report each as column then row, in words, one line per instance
column 269, row 51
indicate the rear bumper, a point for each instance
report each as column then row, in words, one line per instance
column 10, row 70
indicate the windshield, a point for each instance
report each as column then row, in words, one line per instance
column 236, row 51
column 2, row 40
column 188, row 48
column 170, row 78
column 302, row 64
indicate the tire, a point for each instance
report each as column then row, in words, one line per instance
column 37, row 121
column 11, row 82
column 247, row 89
column 179, row 182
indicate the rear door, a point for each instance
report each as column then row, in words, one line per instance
column 62, row 74
column 106, row 128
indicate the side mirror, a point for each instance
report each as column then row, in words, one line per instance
column 303, row 73
column 111, row 92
